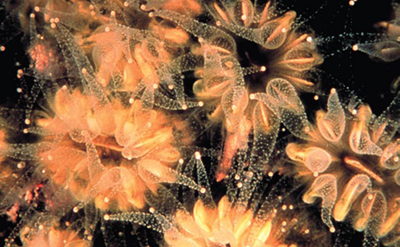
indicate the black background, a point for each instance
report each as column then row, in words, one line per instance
column 367, row 78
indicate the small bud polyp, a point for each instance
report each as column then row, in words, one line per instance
column 21, row 165
column 197, row 155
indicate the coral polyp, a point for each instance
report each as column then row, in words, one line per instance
column 351, row 161
column 276, row 220
column 387, row 49
column 97, row 159
column 241, row 48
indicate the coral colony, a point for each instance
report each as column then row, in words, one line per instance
column 182, row 123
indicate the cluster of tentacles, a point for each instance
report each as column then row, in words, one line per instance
column 180, row 123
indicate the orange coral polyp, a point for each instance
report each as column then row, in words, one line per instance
column 227, row 224
column 362, row 173
column 101, row 169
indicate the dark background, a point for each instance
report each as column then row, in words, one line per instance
column 336, row 25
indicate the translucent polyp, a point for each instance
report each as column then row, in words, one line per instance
column 373, row 212
column 390, row 157
column 283, row 95
column 354, row 188
column 387, row 51
column 325, row 187
column 314, row 158
column 243, row 12
column 234, row 102
column 300, row 58
column 360, row 140
column 331, row 125
column 272, row 34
